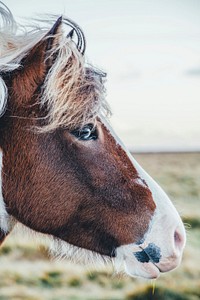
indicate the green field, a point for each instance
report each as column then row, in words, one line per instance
column 27, row 272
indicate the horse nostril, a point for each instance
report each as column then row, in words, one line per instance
column 178, row 239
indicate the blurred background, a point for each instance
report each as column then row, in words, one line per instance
column 150, row 50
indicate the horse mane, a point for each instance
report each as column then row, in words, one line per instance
column 73, row 91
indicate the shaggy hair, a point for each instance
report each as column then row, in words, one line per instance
column 73, row 92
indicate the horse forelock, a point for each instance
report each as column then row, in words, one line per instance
column 72, row 91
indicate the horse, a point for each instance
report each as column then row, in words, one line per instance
column 64, row 173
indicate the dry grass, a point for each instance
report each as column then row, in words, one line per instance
column 26, row 271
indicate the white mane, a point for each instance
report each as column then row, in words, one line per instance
column 73, row 91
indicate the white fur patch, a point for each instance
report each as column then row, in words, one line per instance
column 4, row 224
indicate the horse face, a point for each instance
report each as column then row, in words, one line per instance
column 80, row 186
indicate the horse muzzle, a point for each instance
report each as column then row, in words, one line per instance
column 160, row 251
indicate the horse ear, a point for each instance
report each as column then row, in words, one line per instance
column 36, row 63
column 40, row 51
column 51, row 34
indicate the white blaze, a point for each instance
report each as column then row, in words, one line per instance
column 164, row 226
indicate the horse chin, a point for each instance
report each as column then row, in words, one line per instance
column 145, row 270
column 121, row 263
column 63, row 250
column 126, row 261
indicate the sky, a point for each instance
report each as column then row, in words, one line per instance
column 150, row 50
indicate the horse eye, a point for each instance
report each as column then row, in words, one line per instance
column 86, row 133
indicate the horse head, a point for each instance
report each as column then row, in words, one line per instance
column 63, row 171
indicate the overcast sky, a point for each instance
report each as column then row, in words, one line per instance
column 151, row 52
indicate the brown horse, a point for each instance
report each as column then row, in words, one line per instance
column 63, row 172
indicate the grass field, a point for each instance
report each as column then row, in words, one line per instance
column 26, row 271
